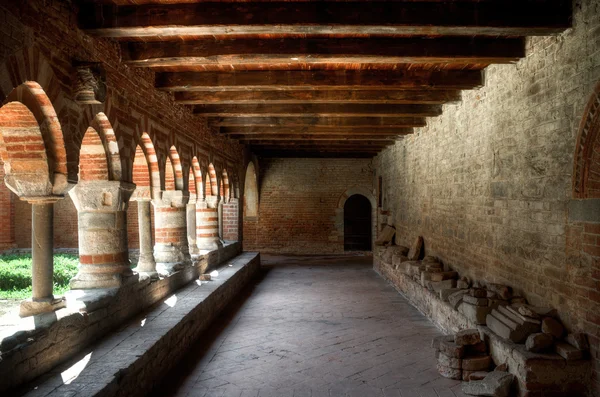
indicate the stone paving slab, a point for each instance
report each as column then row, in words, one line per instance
column 314, row 326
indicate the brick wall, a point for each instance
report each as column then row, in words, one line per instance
column 298, row 207
column 7, row 211
column 230, row 220
column 488, row 183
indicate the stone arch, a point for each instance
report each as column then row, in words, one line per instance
column 195, row 179
column 586, row 171
column 173, row 171
column 339, row 213
column 207, row 187
column 146, row 173
column 99, row 157
column 32, row 140
column 224, row 187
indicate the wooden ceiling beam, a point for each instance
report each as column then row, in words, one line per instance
column 398, row 97
column 332, row 122
column 308, row 137
column 491, row 18
column 332, row 143
column 324, row 80
column 259, row 53
column 314, row 131
column 318, row 110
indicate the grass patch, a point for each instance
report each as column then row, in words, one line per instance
column 15, row 274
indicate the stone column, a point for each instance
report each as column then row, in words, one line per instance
column 171, row 250
column 146, row 264
column 102, row 223
column 42, row 253
column 191, row 225
column 207, row 220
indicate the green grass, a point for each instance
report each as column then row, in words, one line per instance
column 15, row 275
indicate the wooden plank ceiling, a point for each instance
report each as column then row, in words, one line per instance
column 320, row 78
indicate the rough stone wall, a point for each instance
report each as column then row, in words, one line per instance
column 488, row 184
column 299, row 199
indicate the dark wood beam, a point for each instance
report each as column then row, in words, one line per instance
column 399, row 97
column 308, row 137
column 315, row 131
column 298, row 153
column 318, row 110
column 336, row 80
column 195, row 55
column 333, row 122
column 461, row 18
column 331, row 143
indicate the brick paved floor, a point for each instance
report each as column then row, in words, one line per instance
column 315, row 327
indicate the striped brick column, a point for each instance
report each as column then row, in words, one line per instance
column 102, row 225
column 171, row 250
column 207, row 224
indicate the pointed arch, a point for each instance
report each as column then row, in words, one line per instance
column 224, row 188
column 214, row 191
column 195, row 179
column 207, row 187
column 173, row 171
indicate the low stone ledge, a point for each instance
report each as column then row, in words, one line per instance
column 131, row 361
column 538, row 375
column 41, row 342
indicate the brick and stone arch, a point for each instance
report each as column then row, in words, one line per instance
column 171, row 249
column 207, row 214
column 34, row 159
column 586, row 172
column 339, row 212
column 101, row 199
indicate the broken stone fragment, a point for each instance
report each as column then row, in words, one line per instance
column 518, row 300
column 431, row 259
column 435, row 342
column 478, row 292
column 578, row 340
column 527, row 311
column 496, row 384
column 386, row 235
column 539, row 342
column 503, row 291
column 450, row 362
column 481, row 363
column 456, row 298
column 415, row 250
column 502, row 367
column 205, row 277
column 500, row 322
column 441, row 276
column 445, row 293
column 398, row 261
column 450, row 373
column 469, row 336
column 494, row 303
column 475, row 375
column 476, row 314
column 462, row 284
column 491, row 294
column 437, row 286
column 552, row 327
column 475, row 301
column 568, row 352
column 434, row 268
column 450, row 348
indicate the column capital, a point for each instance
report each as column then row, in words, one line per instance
column 42, row 199
column 171, row 198
column 102, row 195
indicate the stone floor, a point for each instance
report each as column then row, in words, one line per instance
column 317, row 326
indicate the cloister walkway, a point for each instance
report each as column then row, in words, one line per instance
column 314, row 326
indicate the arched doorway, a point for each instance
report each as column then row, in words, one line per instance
column 357, row 223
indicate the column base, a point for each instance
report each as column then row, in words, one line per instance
column 146, row 268
column 95, row 281
column 30, row 307
column 166, row 268
column 209, row 244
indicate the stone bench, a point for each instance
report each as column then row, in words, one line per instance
column 132, row 360
column 39, row 343
column 537, row 374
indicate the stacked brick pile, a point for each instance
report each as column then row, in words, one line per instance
column 460, row 356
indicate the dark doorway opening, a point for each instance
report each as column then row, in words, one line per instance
column 357, row 224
